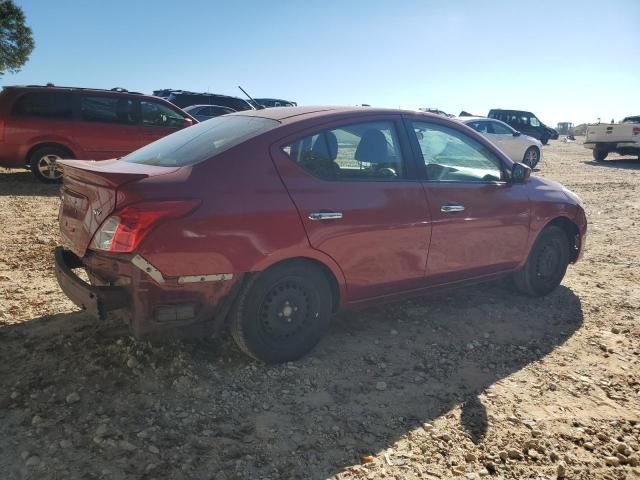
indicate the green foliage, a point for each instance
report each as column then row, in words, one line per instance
column 16, row 39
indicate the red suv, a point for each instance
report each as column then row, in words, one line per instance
column 40, row 125
column 274, row 219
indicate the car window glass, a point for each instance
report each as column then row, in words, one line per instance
column 44, row 104
column 534, row 121
column 201, row 142
column 107, row 109
column 206, row 111
column 159, row 115
column 500, row 129
column 482, row 127
column 362, row 151
column 451, row 156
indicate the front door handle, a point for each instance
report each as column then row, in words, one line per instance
column 449, row 208
column 325, row 216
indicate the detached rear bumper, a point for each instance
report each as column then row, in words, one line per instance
column 96, row 300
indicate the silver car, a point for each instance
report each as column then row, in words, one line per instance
column 518, row 147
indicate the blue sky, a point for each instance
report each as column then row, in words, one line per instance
column 571, row 62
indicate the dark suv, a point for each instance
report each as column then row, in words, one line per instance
column 526, row 123
column 182, row 99
column 42, row 124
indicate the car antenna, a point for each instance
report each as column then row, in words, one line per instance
column 258, row 106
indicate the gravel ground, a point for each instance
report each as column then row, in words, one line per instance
column 476, row 383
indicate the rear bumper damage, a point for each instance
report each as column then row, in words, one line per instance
column 152, row 304
column 96, row 300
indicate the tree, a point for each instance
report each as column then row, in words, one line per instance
column 16, row 40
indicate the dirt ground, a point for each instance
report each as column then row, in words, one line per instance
column 476, row 383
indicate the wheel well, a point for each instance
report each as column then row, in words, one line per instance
column 572, row 232
column 47, row 144
column 333, row 282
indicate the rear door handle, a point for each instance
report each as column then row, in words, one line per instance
column 449, row 208
column 325, row 216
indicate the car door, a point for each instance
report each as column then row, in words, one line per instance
column 503, row 136
column 158, row 120
column 480, row 223
column 360, row 202
column 106, row 125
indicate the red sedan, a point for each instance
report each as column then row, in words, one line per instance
column 272, row 220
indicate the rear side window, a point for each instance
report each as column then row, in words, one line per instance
column 361, row 151
column 44, row 105
column 202, row 141
column 158, row 115
column 107, row 109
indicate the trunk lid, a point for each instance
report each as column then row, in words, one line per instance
column 89, row 195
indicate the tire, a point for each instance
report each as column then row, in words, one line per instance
column 599, row 155
column 546, row 264
column 531, row 157
column 42, row 163
column 282, row 313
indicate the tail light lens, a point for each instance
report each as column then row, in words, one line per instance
column 636, row 130
column 1, row 130
column 123, row 231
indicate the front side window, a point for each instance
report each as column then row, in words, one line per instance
column 201, row 141
column 500, row 129
column 361, row 151
column 534, row 121
column 480, row 126
column 107, row 109
column 44, row 105
column 158, row 115
column 451, row 156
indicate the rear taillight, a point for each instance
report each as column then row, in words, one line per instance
column 636, row 130
column 123, row 231
column 1, row 130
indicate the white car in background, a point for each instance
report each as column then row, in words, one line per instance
column 518, row 147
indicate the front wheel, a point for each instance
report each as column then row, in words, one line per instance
column 546, row 265
column 43, row 163
column 282, row 313
column 531, row 157
column 599, row 155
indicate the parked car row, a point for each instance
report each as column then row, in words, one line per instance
column 344, row 207
column 40, row 125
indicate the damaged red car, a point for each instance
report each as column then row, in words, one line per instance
column 272, row 220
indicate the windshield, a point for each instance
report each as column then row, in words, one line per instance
column 200, row 142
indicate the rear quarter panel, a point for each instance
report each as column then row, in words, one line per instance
column 246, row 222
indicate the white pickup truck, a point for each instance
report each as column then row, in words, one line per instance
column 622, row 138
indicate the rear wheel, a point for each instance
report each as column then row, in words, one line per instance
column 546, row 265
column 599, row 155
column 531, row 157
column 43, row 163
column 282, row 313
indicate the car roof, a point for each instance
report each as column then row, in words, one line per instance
column 290, row 114
column 468, row 119
column 56, row 88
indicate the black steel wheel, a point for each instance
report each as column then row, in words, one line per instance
column 546, row 265
column 282, row 313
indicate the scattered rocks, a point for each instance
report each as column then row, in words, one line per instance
column 73, row 397
column 381, row 385
column 612, row 461
column 125, row 445
column 561, row 470
column 514, row 454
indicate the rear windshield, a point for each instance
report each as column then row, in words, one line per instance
column 202, row 141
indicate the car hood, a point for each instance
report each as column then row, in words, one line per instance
column 550, row 189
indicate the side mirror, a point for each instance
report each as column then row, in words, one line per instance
column 188, row 122
column 520, row 173
column 516, row 133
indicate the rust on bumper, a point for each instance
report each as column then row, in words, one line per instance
column 96, row 300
